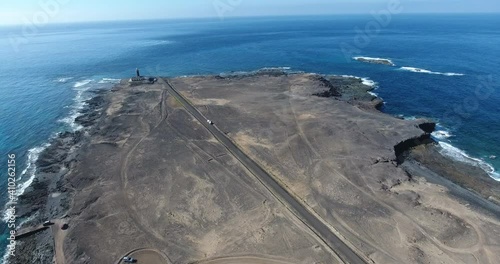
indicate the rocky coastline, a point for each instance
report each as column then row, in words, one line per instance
column 51, row 194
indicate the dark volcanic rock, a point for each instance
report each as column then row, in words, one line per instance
column 52, row 158
column 333, row 91
column 273, row 72
column 34, row 199
column 428, row 127
column 92, row 110
column 87, row 120
column 403, row 147
column 37, row 204
column 376, row 61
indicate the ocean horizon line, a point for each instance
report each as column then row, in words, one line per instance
column 216, row 18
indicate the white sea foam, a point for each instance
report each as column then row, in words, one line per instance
column 27, row 176
column 495, row 176
column 157, row 42
column 275, row 68
column 70, row 121
column 441, row 134
column 375, row 59
column 82, row 83
column 31, row 167
column 366, row 81
column 461, row 156
column 64, row 79
column 418, row 70
column 79, row 101
column 78, row 105
column 351, row 76
column 453, row 74
column 109, row 80
column 76, row 108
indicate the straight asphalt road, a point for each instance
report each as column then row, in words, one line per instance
column 319, row 228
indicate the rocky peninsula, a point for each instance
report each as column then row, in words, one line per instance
column 375, row 61
column 144, row 173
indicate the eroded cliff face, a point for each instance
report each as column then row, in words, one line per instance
column 354, row 91
column 402, row 148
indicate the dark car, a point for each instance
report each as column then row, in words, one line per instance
column 129, row 260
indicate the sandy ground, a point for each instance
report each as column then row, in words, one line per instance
column 244, row 260
column 152, row 177
column 339, row 158
column 59, row 235
column 148, row 256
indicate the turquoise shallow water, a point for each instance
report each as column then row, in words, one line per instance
column 446, row 69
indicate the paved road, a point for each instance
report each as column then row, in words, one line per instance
column 345, row 253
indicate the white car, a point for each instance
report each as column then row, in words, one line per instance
column 47, row 223
column 210, row 122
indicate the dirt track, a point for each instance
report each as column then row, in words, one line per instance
column 147, row 256
column 152, row 176
column 339, row 158
column 244, row 260
column 292, row 203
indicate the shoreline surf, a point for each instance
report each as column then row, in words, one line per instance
column 81, row 98
column 419, row 70
column 84, row 93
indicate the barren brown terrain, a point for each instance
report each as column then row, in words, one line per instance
column 339, row 158
column 154, row 182
column 153, row 177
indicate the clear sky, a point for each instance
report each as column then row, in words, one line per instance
column 14, row 11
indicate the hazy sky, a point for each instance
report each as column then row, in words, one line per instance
column 14, row 11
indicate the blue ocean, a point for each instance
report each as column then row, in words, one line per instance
column 445, row 68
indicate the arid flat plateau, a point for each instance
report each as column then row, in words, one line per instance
column 155, row 177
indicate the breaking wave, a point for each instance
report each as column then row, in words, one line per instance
column 28, row 174
column 109, row 80
column 460, row 155
column 64, row 79
column 366, row 81
column 81, row 88
column 441, row 134
column 81, row 83
column 418, row 70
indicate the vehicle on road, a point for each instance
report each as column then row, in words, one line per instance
column 48, row 223
column 129, row 260
column 210, row 122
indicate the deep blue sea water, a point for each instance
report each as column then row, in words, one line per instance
column 44, row 83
